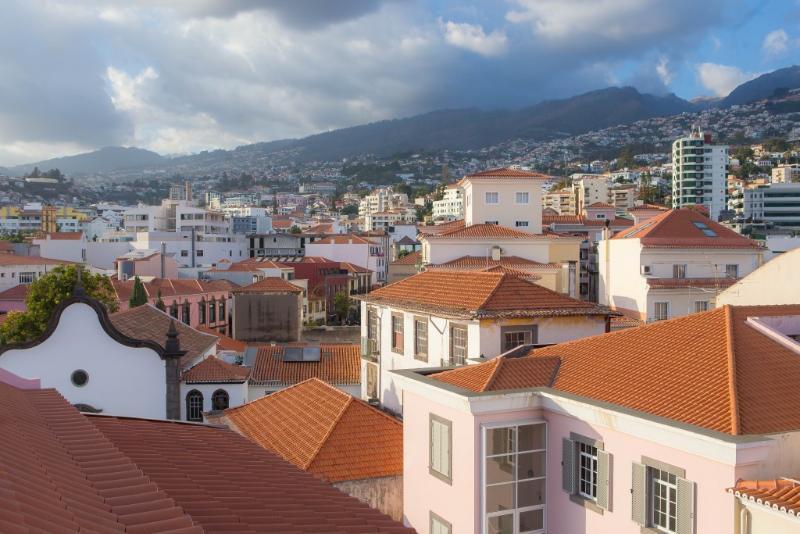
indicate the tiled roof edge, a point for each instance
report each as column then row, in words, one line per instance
column 731, row 361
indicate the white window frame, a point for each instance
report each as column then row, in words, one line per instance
column 593, row 469
column 516, row 511
column 731, row 267
column 701, row 306
column 654, row 474
column 521, row 224
column 494, row 195
column 656, row 316
column 527, row 197
column 679, row 270
column 27, row 277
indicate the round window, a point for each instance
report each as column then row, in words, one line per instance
column 79, row 377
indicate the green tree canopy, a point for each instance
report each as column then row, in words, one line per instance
column 138, row 296
column 45, row 294
column 341, row 305
column 350, row 209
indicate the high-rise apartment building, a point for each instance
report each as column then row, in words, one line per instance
column 699, row 171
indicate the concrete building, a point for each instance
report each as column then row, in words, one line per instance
column 451, row 207
column 672, row 264
column 589, row 189
column 562, row 201
column 364, row 251
column 776, row 204
column 16, row 270
column 432, row 320
column 268, row 310
column 505, row 197
column 699, row 173
column 65, row 246
column 626, row 432
column 783, row 174
column 775, row 282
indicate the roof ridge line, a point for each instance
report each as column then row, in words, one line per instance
column 332, row 427
column 500, row 360
column 500, row 279
column 732, row 390
column 556, row 368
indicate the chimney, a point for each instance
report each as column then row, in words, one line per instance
column 172, row 357
column 163, row 259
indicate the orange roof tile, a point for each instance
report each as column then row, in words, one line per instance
column 505, row 172
column 673, row 283
column 781, row 494
column 170, row 287
column 581, row 220
column 324, row 431
column 412, row 258
column 13, row 259
column 643, row 207
column 468, row 263
column 440, row 228
column 339, row 364
column 16, row 293
column 678, row 228
column 491, row 294
column 600, row 205
column 271, row 284
column 215, row 371
column 706, row 369
column 503, row 373
column 224, row 342
column 487, row 231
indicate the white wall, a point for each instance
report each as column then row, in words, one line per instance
column 507, row 212
column 355, row 253
column 443, row 250
column 102, row 254
column 62, row 249
column 123, row 380
column 775, row 282
column 237, row 395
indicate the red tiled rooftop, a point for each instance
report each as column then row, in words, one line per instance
column 782, row 494
column 171, row 287
column 601, row 205
column 216, row 371
column 342, row 239
column 271, row 284
column 706, row 369
column 324, row 431
column 468, row 263
column 412, row 258
column 224, row 342
column 505, row 172
column 339, row 364
column 16, row 293
column 678, row 228
column 491, row 294
column 487, row 231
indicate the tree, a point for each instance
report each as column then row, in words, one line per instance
column 45, row 294
column 138, row 296
column 341, row 305
column 625, row 159
column 295, row 229
column 160, row 303
column 350, row 209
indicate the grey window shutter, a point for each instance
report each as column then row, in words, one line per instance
column 639, row 494
column 685, row 499
column 603, row 479
column 568, row 465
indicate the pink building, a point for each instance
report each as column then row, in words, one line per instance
column 193, row 302
column 641, row 430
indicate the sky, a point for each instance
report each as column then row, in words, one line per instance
column 187, row 75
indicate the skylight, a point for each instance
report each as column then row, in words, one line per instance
column 708, row 232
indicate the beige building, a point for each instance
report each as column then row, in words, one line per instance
column 672, row 264
column 562, row 201
column 590, row 189
column 767, row 506
column 786, row 173
column 775, row 282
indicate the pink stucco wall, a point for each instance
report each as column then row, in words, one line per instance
column 460, row 503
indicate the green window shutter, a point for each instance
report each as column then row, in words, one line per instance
column 685, row 501
column 603, row 479
column 639, row 494
column 568, row 465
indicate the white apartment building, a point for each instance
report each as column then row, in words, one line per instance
column 589, row 189
column 15, row 270
column 382, row 199
column 451, row 207
column 776, row 203
column 384, row 220
column 672, row 264
column 699, row 173
column 786, row 173
column 505, row 197
column 350, row 248
column 428, row 320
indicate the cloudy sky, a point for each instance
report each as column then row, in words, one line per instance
column 187, row 75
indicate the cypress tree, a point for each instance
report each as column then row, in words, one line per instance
column 138, row 297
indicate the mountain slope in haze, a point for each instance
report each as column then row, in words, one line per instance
column 108, row 159
column 460, row 129
column 763, row 86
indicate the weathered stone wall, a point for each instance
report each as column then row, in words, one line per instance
column 333, row 334
column 384, row 494
column 266, row 317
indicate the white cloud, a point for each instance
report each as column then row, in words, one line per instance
column 472, row 37
column 721, row 79
column 775, row 42
column 662, row 69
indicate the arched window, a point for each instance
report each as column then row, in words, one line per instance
column 201, row 312
column 222, row 311
column 186, row 312
column 212, row 311
column 220, row 400
column 194, row 406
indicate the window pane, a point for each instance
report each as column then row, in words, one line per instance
column 531, row 437
column 531, row 520
column 500, row 469
column 503, row 524
column 531, row 493
column 531, row 464
column 500, row 440
column 499, row 498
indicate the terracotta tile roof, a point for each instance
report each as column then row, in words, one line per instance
column 673, row 283
column 440, row 228
column 503, row 373
column 64, row 235
column 412, row 258
column 171, row 287
column 224, row 342
column 339, row 364
column 678, row 228
column 16, row 293
column 13, row 259
column 271, row 284
column 491, row 294
column 781, row 494
column 644, row 207
column 342, row 239
column 405, row 240
column 581, row 220
column 226, row 483
column 58, row 473
column 324, row 431
column 150, row 323
column 622, row 321
column 506, row 172
column 601, row 205
column 215, row 371
column 466, row 263
column 707, row 369
column 353, row 268
column 281, row 224
column 487, row 231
